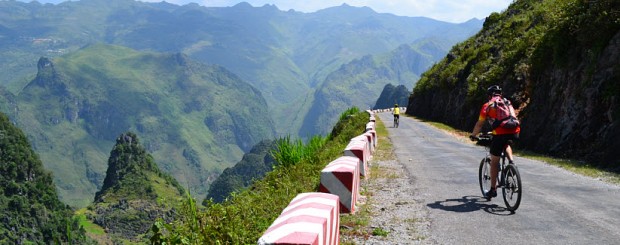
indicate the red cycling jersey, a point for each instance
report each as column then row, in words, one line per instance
column 487, row 113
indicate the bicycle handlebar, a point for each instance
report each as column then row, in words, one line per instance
column 482, row 138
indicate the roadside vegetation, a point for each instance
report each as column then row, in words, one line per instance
column 245, row 215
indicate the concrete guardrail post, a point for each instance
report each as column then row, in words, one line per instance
column 359, row 149
column 310, row 218
column 341, row 177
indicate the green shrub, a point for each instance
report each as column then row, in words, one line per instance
column 289, row 152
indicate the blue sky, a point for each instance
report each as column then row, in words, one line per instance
column 455, row 11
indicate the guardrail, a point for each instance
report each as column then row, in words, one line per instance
column 314, row 218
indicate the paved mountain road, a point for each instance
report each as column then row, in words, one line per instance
column 557, row 207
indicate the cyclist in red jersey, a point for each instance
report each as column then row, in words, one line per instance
column 501, row 134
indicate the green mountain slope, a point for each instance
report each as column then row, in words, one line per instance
column 135, row 192
column 285, row 54
column 558, row 62
column 360, row 82
column 253, row 166
column 31, row 210
column 185, row 111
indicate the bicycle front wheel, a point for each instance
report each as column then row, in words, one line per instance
column 512, row 189
column 484, row 175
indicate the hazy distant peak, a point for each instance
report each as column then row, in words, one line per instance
column 243, row 5
column 472, row 20
column 346, row 7
column 270, row 6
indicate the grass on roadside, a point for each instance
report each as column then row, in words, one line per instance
column 357, row 224
column 578, row 167
column 380, row 232
column 383, row 151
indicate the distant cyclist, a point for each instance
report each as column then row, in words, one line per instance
column 500, row 113
column 396, row 112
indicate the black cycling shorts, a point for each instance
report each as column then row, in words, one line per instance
column 500, row 141
column 396, row 115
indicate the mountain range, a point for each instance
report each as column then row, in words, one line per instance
column 360, row 82
column 199, row 85
column 285, row 54
column 77, row 105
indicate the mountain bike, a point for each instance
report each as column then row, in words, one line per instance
column 508, row 177
column 396, row 121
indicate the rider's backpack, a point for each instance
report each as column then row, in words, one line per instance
column 503, row 110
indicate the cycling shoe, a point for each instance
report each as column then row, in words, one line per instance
column 490, row 194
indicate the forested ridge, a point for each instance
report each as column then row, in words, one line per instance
column 31, row 210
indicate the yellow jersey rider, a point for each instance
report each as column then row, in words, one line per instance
column 396, row 112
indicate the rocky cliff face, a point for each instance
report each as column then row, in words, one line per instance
column 574, row 111
column 558, row 63
column 392, row 95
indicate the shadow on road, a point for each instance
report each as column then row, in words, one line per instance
column 469, row 204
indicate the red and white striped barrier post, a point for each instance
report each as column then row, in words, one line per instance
column 369, row 136
column 368, row 140
column 359, row 149
column 372, row 117
column 341, row 177
column 370, row 126
column 310, row 218
column 374, row 137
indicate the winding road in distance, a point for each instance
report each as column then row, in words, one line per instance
column 557, row 207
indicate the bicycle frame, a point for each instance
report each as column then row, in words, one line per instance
column 508, row 178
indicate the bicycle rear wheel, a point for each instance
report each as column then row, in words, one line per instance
column 484, row 175
column 512, row 188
